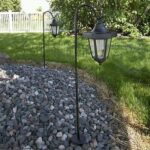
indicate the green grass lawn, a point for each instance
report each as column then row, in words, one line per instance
column 126, row 72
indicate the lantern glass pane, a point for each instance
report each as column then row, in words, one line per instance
column 55, row 30
column 108, row 47
column 91, row 42
column 100, row 44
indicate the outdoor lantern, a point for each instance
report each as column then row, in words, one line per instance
column 54, row 27
column 99, row 41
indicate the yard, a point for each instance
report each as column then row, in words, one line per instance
column 126, row 72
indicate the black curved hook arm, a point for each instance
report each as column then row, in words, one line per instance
column 49, row 13
column 84, row 5
column 76, row 21
column 76, row 72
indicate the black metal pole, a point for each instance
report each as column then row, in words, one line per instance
column 44, row 34
column 76, row 76
column 43, row 41
column 78, row 138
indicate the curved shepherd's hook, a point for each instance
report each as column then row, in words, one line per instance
column 78, row 139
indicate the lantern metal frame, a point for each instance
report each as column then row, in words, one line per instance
column 79, row 138
column 54, row 23
column 100, row 32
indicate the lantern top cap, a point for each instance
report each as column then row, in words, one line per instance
column 54, row 22
column 99, row 32
column 100, row 27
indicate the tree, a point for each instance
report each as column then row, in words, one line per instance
column 13, row 5
column 127, row 16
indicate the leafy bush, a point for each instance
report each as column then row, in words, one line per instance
column 6, row 5
column 127, row 16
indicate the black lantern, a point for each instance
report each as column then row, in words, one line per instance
column 54, row 27
column 99, row 41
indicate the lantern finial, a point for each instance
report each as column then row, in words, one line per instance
column 100, row 27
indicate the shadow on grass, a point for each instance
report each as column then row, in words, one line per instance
column 132, row 88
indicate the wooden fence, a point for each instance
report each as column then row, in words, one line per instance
column 21, row 22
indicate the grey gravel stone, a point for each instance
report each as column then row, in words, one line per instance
column 3, row 118
column 100, row 146
column 52, row 107
column 78, row 148
column 88, row 138
column 85, row 146
column 69, row 148
column 37, row 111
column 40, row 143
column 61, row 147
column 27, row 148
column 44, row 117
column 64, row 137
column 28, row 134
column 54, row 131
column 21, row 139
column 11, row 141
column 40, row 132
column 116, row 148
column 59, row 134
column 50, row 138
column 22, row 96
column 94, row 143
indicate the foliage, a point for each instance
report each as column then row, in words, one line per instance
column 6, row 5
column 134, row 15
column 126, row 72
column 39, row 9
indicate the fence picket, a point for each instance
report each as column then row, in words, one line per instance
column 22, row 22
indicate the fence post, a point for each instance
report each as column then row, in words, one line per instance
column 10, row 20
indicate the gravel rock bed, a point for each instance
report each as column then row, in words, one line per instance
column 37, row 111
